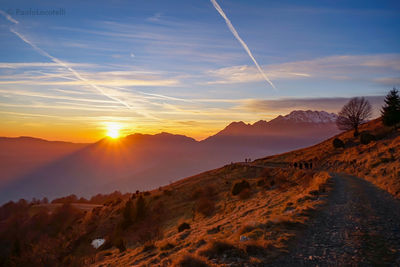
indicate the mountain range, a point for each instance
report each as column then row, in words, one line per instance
column 36, row 168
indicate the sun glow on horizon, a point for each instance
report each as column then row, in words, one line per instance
column 113, row 130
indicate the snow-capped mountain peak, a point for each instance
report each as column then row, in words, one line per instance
column 298, row 120
column 309, row 116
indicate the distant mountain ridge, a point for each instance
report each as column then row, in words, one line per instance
column 167, row 137
column 309, row 120
column 144, row 161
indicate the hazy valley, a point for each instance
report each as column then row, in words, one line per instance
column 218, row 133
column 143, row 162
column 246, row 213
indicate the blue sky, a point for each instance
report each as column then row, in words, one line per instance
column 175, row 66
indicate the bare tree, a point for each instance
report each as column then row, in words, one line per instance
column 355, row 112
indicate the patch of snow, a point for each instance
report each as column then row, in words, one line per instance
column 96, row 243
column 311, row 116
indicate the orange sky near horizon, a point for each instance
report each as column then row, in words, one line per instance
column 88, row 133
column 156, row 67
column 88, row 129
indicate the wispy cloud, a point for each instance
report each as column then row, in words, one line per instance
column 102, row 86
column 248, row 74
column 330, row 104
column 49, row 96
column 98, row 83
column 334, row 67
column 235, row 33
column 28, row 73
column 63, row 106
column 389, row 81
column 12, row 65
column 70, row 69
column 21, row 114
column 67, row 67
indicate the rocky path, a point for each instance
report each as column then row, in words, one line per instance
column 360, row 226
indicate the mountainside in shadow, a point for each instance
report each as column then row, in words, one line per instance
column 142, row 161
column 299, row 121
column 21, row 155
column 265, row 212
column 284, row 133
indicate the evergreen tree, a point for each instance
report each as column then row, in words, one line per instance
column 391, row 109
column 128, row 214
column 140, row 208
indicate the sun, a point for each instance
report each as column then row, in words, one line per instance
column 113, row 130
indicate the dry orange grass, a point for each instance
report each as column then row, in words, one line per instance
column 254, row 226
column 265, row 220
column 377, row 162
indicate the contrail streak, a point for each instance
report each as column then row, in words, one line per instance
column 75, row 73
column 235, row 33
column 61, row 63
column 8, row 17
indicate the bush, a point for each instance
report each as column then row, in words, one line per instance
column 386, row 160
column 183, row 226
column 205, row 206
column 62, row 218
column 261, row 182
column 239, row 187
column 167, row 246
column 366, row 138
column 149, row 246
column 167, row 192
column 245, row 194
column 337, row 143
column 255, row 250
column 350, row 143
column 272, row 183
column 190, row 261
column 219, row 248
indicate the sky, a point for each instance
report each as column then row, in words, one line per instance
column 187, row 67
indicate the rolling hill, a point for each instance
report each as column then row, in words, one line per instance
column 244, row 214
column 142, row 161
column 20, row 156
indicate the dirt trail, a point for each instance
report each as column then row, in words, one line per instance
column 360, row 226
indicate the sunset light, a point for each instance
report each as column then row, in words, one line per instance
column 113, row 130
column 200, row 133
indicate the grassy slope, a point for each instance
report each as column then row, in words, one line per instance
column 251, row 227
column 377, row 162
column 265, row 218
column 270, row 216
